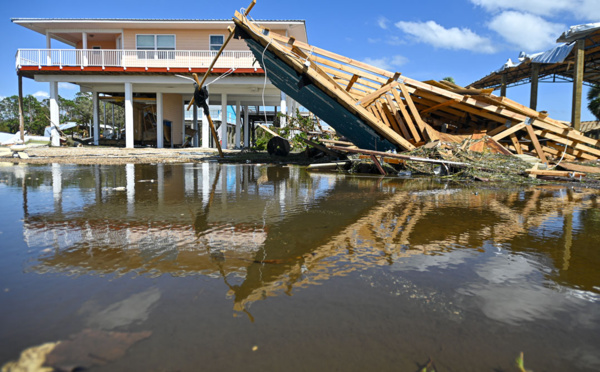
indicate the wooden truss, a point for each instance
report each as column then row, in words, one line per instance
column 410, row 113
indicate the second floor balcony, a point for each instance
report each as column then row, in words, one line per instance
column 124, row 59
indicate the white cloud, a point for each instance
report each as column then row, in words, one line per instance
column 387, row 63
column 526, row 31
column 40, row 94
column 373, row 41
column 582, row 9
column 383, row 22
column 447, row 38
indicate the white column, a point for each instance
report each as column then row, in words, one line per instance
column 48, row 46
column 95, row 116
column 84, row 46
column 182, row 121
column 283, row 104
column 54, row 114
column 223, row 121
column 159, row 121
column 246, row 128
column 195, row 126
column 238, row 124
column 129, row 135
column 160, row 170
column 205, row 129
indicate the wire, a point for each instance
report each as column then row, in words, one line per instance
column 561, row 158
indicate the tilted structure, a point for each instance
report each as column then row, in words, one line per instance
column 381, row 110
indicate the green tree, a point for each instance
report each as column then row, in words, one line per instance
column 450, row 79
column 35, row 114
column 593, row 97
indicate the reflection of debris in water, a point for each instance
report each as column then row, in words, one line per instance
column 427, row 298
column 134, row 309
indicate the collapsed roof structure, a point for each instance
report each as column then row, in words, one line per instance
column 576, row 59
column 381, row 110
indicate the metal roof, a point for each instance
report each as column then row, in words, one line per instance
column 554, row 64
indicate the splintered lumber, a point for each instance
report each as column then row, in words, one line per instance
column 555, row 173
column 382, row 110
column 400, row 156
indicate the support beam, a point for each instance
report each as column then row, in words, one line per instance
column 194, row 125
column 21, row 115
column 533, row 95
column 238, row 124
column 503, row 85
column 96, row 119
column 223, row 128
column 283, row 105
column 48, row 46
column 129, row 135
column 578, row 84
column 246, row 128
column 205, row 128
column 54, row 114
column 159, row 121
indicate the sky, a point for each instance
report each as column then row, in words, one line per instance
column 426, row 39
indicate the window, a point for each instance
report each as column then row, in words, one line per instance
column 216, row 41
column 157, row 46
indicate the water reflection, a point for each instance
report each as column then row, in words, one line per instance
column 269, row 230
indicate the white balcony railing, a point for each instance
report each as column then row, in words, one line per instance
column 133, row 58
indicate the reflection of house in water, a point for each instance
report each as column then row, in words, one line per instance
column 278, row 228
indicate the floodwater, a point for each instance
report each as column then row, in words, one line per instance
column 269, row 268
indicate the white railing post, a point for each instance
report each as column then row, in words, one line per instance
column 40, row 59
column 102, row 54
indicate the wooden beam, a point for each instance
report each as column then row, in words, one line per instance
column 533, row 94
column 578, row 83
column 389, row 116
column 509, row 131
column 351, row 82
column 425, row 128
column 21, row 115
column 393, row 78
column 397, row 118
column 516, row 144
column 370, row 98
column 569, row 142
column 378, row 165
column 383, row 115
column 406, row 116
column 439, row 106
column 536, row 143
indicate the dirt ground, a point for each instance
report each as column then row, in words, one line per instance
column 110, row 155
column 116, row 155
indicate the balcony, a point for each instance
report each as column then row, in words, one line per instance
column 106, row 58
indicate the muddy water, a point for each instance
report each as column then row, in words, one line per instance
column 209, row 267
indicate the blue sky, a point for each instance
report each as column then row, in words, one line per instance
column 465, row 39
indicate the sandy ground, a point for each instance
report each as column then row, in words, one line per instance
column 111, row 155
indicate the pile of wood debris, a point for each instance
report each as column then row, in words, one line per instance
column 381, row 110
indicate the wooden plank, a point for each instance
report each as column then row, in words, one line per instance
column 536, row 143
column 370, row 98
column 389, row 116
column 569, row 142
column 516, row 144
column 383, row 115
column 351, row 82
column 393, row 78
column 406, row 116
column 567, row 133
column 397, row 118
column 555, row 173
column 400, row 156
column 509, row 131
column 579, row 168
column 570, row 151
column 439, row 106
column 425, row 128
column 378, row 165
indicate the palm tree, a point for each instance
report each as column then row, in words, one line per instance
column 593, row 97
